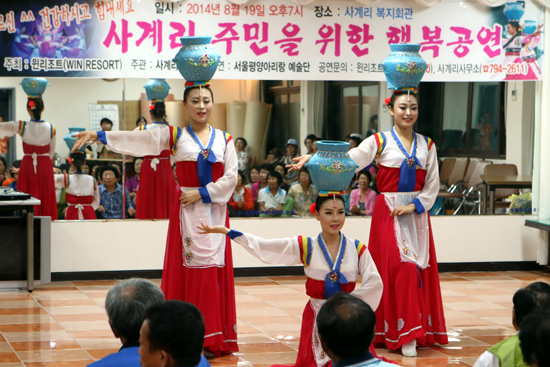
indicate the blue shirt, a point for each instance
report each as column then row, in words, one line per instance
column 112, row 202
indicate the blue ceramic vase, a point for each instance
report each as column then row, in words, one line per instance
column 197, row 60
column 404, row 67
column 513, row 11
column 529, row 27
column 69, row 140
column 157, row 89
column 331, row 169
column 34, row 87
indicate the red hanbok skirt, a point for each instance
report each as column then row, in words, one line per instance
column 411, row 306
column 156, row 188
column 72, row 211
column 41, row 184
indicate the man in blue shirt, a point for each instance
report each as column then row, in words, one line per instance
column 110, row 193
column 125, row 304
column 346, row 331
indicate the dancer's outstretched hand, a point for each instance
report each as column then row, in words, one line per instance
column 205, row 229
column 300, row 162
column 83, row 138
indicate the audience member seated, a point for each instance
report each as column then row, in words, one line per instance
column 303, row 195
column 242, row 157
column 310, row 138
column 362, row 199
column 241, row 202
column 172, row 335
column 132, row 183
column 347, row 193
column 141, row 121
column 265, row 168
column 110, row 193
column 534, row 339
column 354, row 140
column 271, row 200
column 118, row 166
column 314, row 146
column 14, row 172
column 346, row 330
column 291, row 152
column 507, row 353
column 281, row 168
column 125, row 305
column 274, row 156
column 102, row 151
column 253, row 176
column 86, row 169
column 4, row 172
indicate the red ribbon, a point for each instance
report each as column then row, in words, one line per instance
column 152, row 107
column 312, row 208
column 387, row 101
column 31, row 105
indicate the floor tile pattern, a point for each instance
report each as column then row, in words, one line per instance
column 64, row 323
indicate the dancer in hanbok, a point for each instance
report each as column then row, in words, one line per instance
column 197, row 268
column 82, row 195
column 401, row 241
column 529, row 56
column 36, row 171
column 156, row 183
column 22, row 46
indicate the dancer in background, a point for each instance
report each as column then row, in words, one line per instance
column 36, row 171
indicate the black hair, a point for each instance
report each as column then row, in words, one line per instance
column 159, row 110
column 346, row 325
column 17, row 163
column 245, row 143
column 106, row 120
column 321, row 199
column 37, row 108
column 282, row 165
column 518, row 33
column 526, row 300
column 108, row 167
column 304, row 169
column 355, row 139
column 267, row 166
column 534, row 338
column 277, row 175
column 134, row 162
column 177, row 328
column 141, row 119
column 311, row 137
column 116, row 163
column 257, row 168
column 188, row 90
column 78, row 160
column 395, row 95
column 64, row 167
column 243, row 177
column 366, row 173
column 3, row 160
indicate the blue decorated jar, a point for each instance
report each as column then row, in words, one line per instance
column 197, row 60
column 513, row 11
column 331, row 169
column 156, row 89
column 69, row 140
column 529, row 27
column 34, row 87
column 404, row 67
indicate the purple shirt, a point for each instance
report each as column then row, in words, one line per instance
column 132, row 184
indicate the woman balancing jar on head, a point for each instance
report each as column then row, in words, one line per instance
column 156, row 179
column 332, row 263
column 401, row 241
column 197, row 268
column 36, row 171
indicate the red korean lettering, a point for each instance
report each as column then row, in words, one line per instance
column 359, row 36
column 84, row 11
column 112, row 35
column 290, row 44
column 56, row 14
column 399, row 35
column 129, row 6
column 100, row 10
column 46, row 20
column 326, row 32
column 65, row 14
column 228, row 28
column 180, row 32
column 10, row 22
column 463, row 39
column 27, row 16
column 153, row 31
column 493, row 35
column 252, row 33
column 432, row 39
column 119, row 6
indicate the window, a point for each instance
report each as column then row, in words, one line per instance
column 464, row 119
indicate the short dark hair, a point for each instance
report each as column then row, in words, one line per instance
column 243, row 176
column 106, row 120
column 534, row 338
column 108, row 168
column 126, row 303
column 277, row 175
column 356, row 139
column 245, row 143
column 3, row 160
column 346, row 325
column 311, row 137
column 177, row 328
column 188, row 90
column 527, row 299
column 282, row 164
column 266, row 166
column 366, row 173
column 141, row 119
column 134, row 162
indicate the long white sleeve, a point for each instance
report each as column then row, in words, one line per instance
column 371, row 283
column 365, row 153
column 429, row 192
column 138, row 143
column 9, row 128
column 59, row 181
column 221, row 190
column 487, row 359
column 277, row 251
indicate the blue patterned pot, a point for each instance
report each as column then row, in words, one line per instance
column 197, row 60
column 529, row 27
column 156, row 89
column 69, row 140
column 513, row 11
column 404, row 67
column 34, row 87
column 331, row 169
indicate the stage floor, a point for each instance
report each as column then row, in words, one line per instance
column 64, row 323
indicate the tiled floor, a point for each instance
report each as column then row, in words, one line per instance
column 64, row 323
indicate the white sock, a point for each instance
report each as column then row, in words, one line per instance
column 409, row 349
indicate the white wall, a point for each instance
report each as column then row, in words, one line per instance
column 139, row 245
